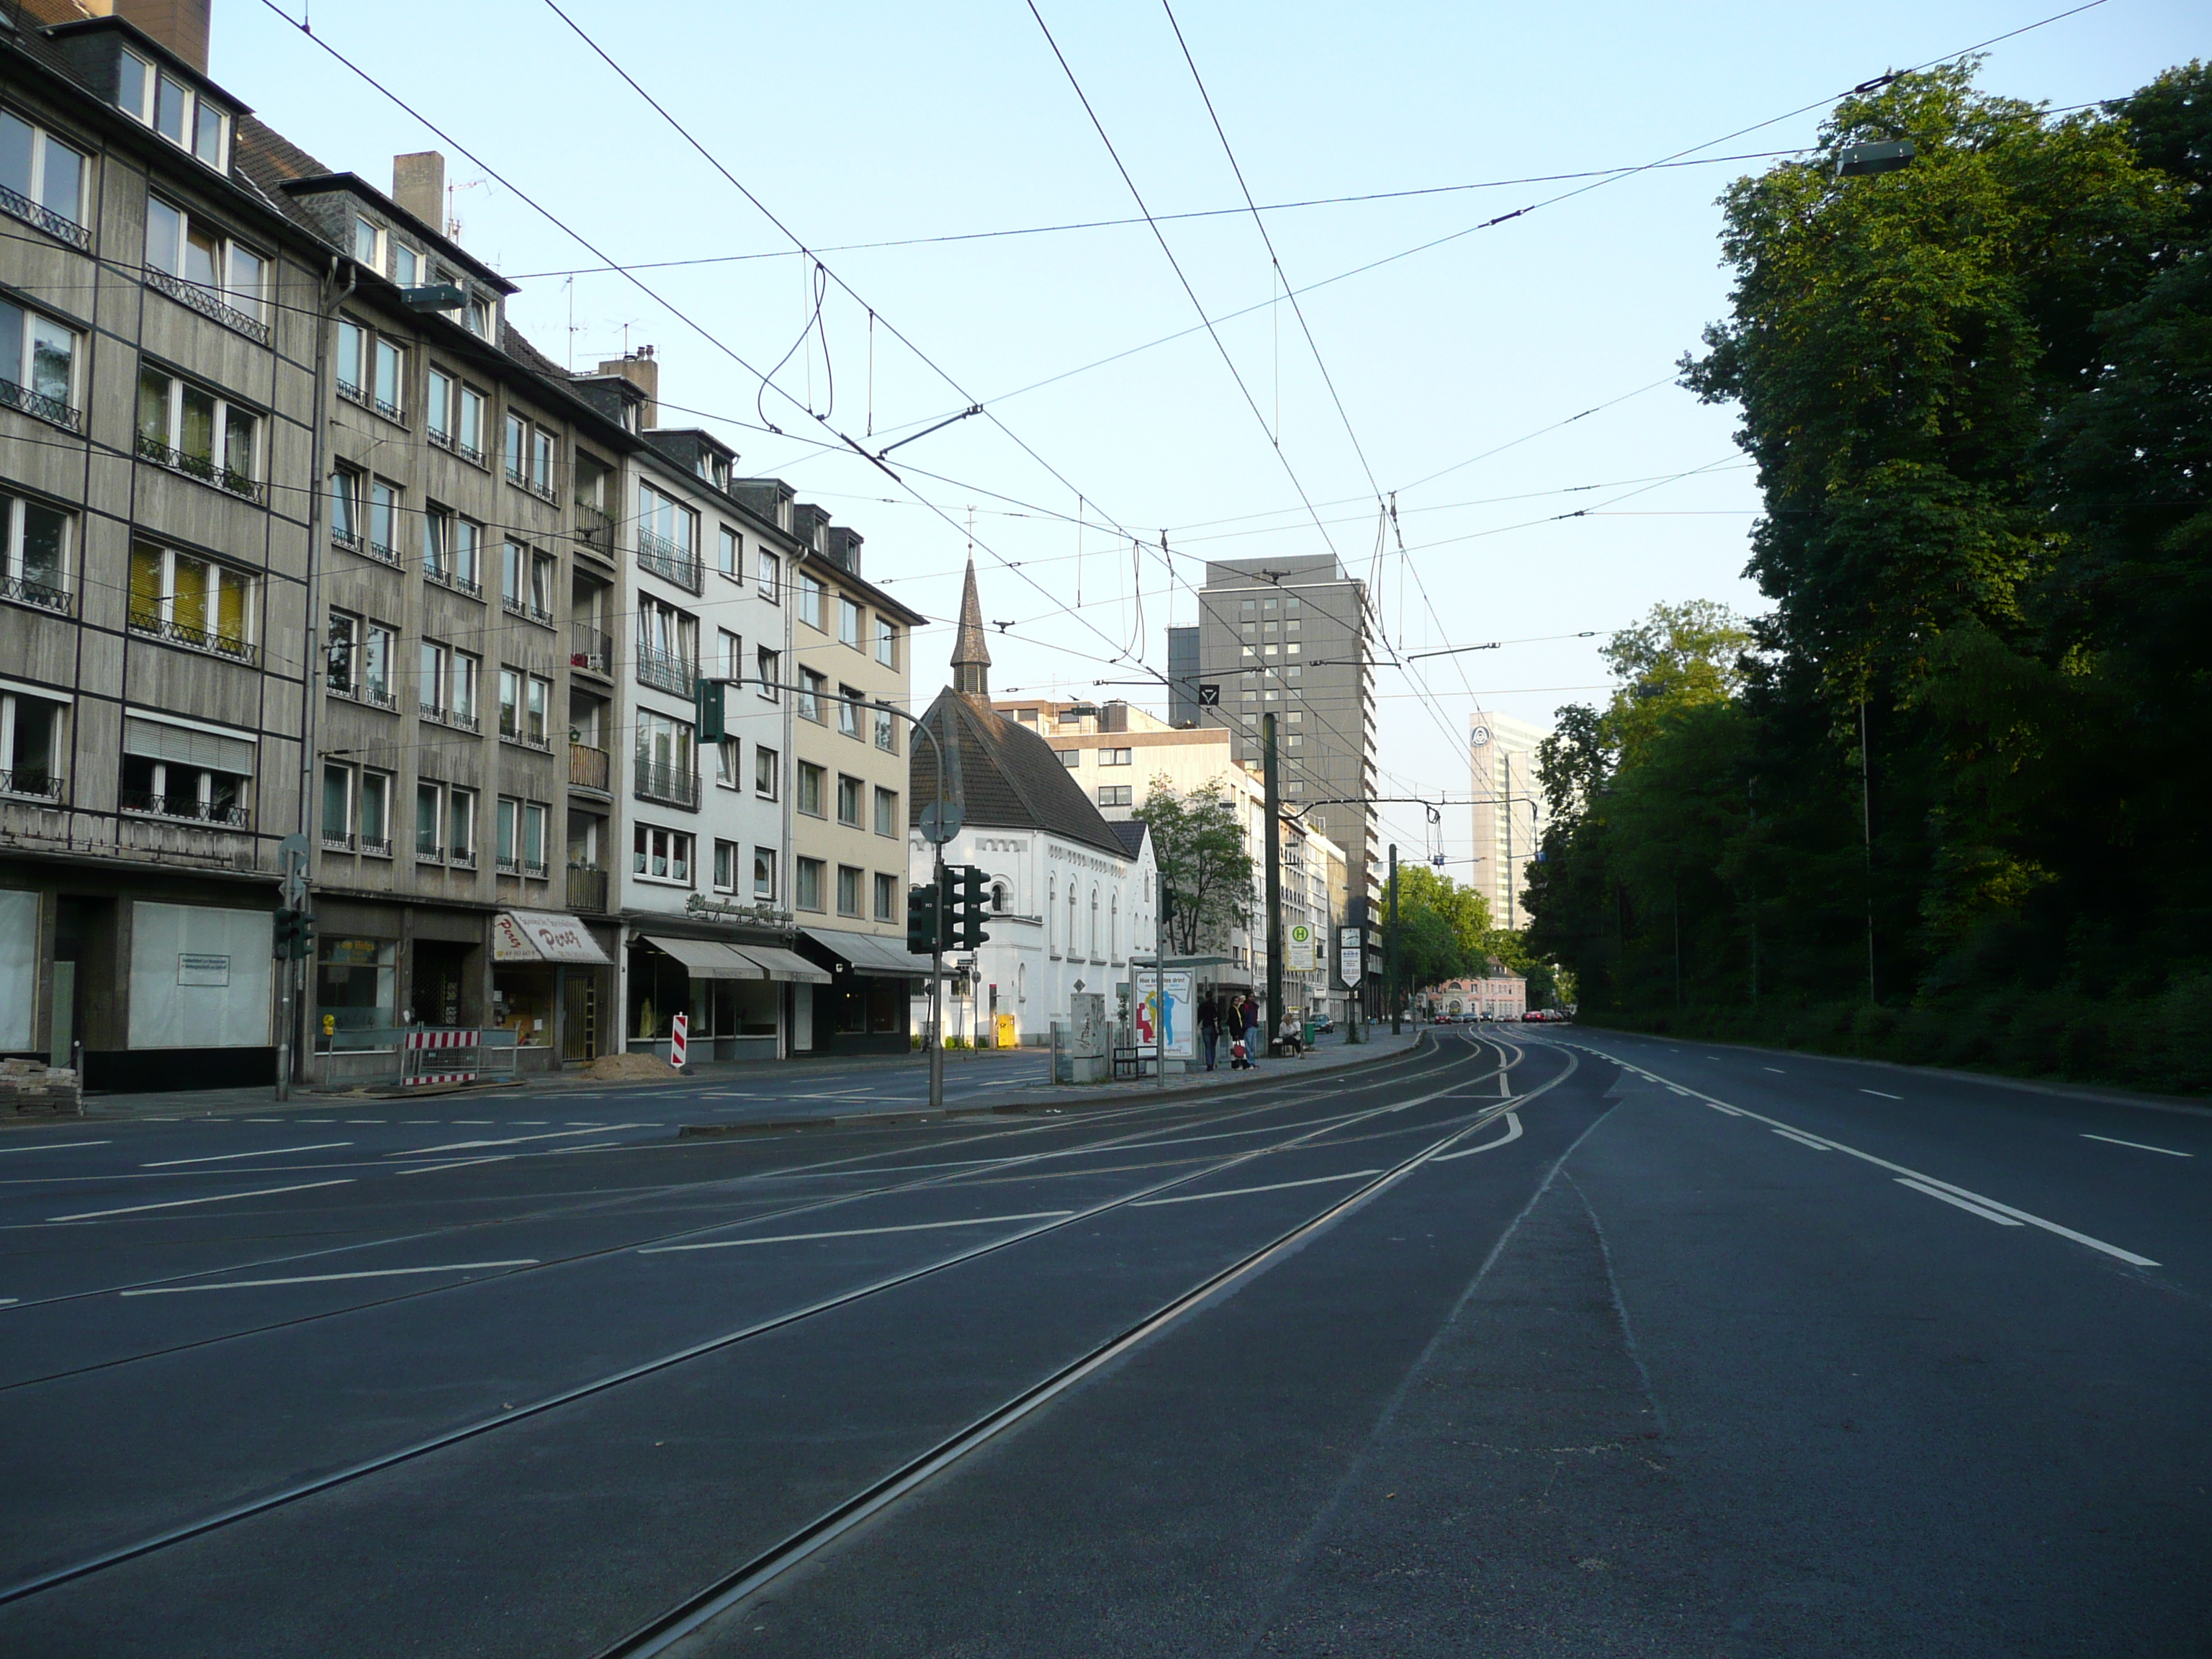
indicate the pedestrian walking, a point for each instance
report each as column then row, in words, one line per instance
column 1249, row 1019
column 1209, row 1027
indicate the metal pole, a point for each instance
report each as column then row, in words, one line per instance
column 1272, row 788
column 1391, row 950
column 1866, row 825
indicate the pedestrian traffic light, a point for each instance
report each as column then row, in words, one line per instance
column 292, row 937
column 923, row 915
column 706, row 700
column 966, row 902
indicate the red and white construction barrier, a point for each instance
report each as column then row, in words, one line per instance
column 680, row 1033
column 419, row 1048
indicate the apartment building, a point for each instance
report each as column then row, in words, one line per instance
column 1290, row 637
column 1119, row 754
column 1509, row 810
column 850, row 645
column 158, row 350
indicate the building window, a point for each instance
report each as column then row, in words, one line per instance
column 1070, row 758
column 661, row 854
column 887, row 640
column 886, row 729
column 1114, row 794
column 666, row 766
column 42, row 179
column 429, row 824
column 521, row 831
column 848, row 800
column 197, row 431
column 764, row 771
column 730, row 559
column 375, row 823
column 192, row 601
column 337, row 807
column 461, row 705
column 887, row 812
column 406, row 265
column 155, row 98
column 812, row 780
column 727, row 763
column 667, row 648
column 886, row 897
column 469, row 426
column 849, row 699
column 537, row 700
column 1117, row 756
column 807, row 884
column 461, row 827
column 31, row 745
column 383, row 540
column 771, row 673
column 725, row 866
column 764, row 874
column 851, row 621
column 372, row 370
column 38, row 366
column 667, row 537
column 729, row 656
column 360, row 660
column 848, row 890
column 177, row 772
column 813, row 687
column 768, row 573
column 34, row 553
column 814, row 601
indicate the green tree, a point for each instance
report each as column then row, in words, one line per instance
column 1204, row 862
column 1680, row 657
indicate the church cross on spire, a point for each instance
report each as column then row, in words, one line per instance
column 971, row 656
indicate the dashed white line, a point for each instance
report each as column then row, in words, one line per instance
column 510, row 1140
column 1805, row 1140
column 1239, row 1191
column 2139, row 1145
column 1983, row 1211
column 854, row 1232
column 327, row 1279
column 1776, row 1070
column 218, row 1198
column 225, row 1157
column 53, row 1146
column 456, row 1164
column 1880, row 1095
column 1730, row 1110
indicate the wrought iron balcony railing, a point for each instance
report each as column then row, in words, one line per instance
column 665, row 671
column 191, row 807
column 195, row 638
column 37, row 403
column 209, row 304
column 666, row 559
column 670, row 785
column 587, row 888
column 206, row 470
column 56, row 225
column 35, row 781
column 29, row 590
column 590, row 649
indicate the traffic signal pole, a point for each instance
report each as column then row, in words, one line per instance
column 1273, row 803
column 937, row 966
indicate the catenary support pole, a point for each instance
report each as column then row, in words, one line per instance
column 1390, row 951
column 1272, row 790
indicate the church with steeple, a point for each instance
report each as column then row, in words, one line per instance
column 1072, row 896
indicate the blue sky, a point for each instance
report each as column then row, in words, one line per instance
column 860, row 124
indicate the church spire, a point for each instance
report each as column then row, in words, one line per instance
column 971, row 656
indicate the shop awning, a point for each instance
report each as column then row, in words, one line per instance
column 705, row 958
column 776, row 962
column 869, row 954
column 543, row 936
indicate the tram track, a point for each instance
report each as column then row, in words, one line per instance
column 215, row 1519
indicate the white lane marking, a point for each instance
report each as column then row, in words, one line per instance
column 368, row 1120
column 219, row 1157
column 854, row 1232
column 1981, row 1211
column 531, row 1122
column 458, row 1164
column 474, row 1122
column 1968, row 1193
column 1513, row 1134
column 1776, row 1070
column 1679, row 1092
column 1877, row 1092
column 218, row 1198
column 1804, row 1140
column 510, row 1140
column 1239, row 1191
column 325, row 1278
column 53, row 1146
column 1712, row 1056
column 9, row 1301
column 2137, row 1144
column 1717, row 1106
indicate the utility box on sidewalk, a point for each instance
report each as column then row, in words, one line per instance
column 1089, row 1037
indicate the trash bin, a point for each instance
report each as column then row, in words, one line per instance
column 1313, row 1030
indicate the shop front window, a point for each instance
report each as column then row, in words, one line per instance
column 354, row 986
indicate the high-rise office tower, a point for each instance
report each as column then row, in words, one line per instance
column 1289, row 637
column 1509, row 813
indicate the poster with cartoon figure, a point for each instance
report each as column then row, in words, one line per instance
column 1164, row 1015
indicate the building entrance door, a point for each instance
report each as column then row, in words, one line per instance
column 579, row 1024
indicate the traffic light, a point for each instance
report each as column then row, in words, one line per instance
column 292, row 937
column 707, row 700
column 1167, row 918
column 965, row 884
column 923, row 915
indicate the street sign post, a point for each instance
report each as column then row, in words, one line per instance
column 1299, row 947
column 1350, row 965
column 940, row 821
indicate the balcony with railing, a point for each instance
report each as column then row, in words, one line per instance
column 665, row 671
column 376, row 847
column 29, row 590
column 205, row 468
column 37, row 403
column 591, row 650
column 193, row 639
column 523, row 738
column 666, row 559
column 429, row 851
column 595, row 528
column 590, row 768
column 587, row 889
column 231, row 815
column 209, row 304
column 57, row 225
column 669, row 786
column 34, row 782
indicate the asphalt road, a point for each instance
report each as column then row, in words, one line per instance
column 1557, row 1343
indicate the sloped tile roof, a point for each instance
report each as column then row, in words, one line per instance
column 1004, row 776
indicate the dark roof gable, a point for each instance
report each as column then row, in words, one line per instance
column 1004, row 776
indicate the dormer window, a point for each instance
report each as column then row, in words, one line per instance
column 404, row 265
column 174, row 109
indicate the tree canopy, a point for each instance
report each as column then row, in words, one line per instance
column 1204, row 863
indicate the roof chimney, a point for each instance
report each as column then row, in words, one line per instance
column 418, row 183
column 179, row 25
column 640, row 368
